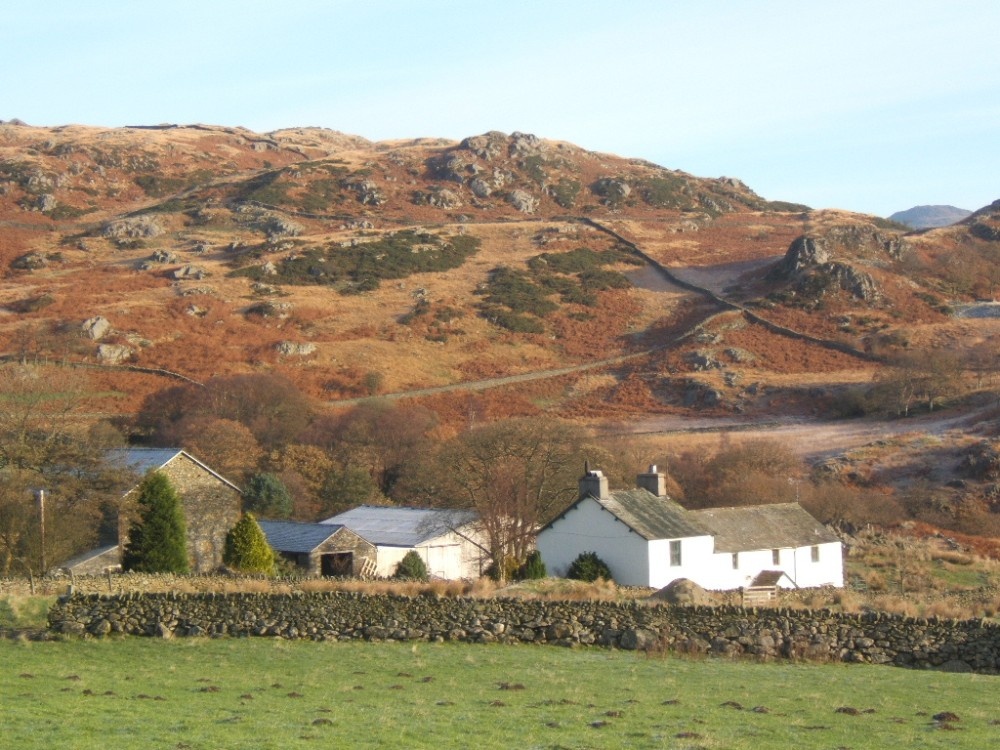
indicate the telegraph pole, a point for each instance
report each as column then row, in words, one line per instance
column 40, row 497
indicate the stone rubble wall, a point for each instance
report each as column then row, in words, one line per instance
column 821, row 635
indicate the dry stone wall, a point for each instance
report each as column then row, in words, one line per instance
column 966, row 645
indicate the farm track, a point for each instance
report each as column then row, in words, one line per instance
column 667, row 275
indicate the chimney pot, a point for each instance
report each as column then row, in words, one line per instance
column 653, row 481
column 594, row 484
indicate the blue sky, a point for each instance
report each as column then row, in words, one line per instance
column 871, row 106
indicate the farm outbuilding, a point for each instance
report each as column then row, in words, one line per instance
column 211, row 503
column 647, row 539
column 94, row 562
column 448, row 541
column 321, row 549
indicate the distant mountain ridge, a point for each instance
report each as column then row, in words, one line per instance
column 929, row 217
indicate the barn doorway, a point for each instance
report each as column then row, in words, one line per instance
column 338, row 564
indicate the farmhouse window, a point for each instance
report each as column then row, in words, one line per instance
column 675, row 553
column 736, row 561
column 814, row 553
column 776, row 557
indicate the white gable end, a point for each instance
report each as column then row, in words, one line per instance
column 587, row 527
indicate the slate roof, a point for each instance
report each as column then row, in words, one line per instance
column 89, row 555
column 649, row 516
column 289, row 536
column 143, row 460
column 768, row 578
column 401, row 527
column 757, row 527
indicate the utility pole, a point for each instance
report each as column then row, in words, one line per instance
column 40, row 497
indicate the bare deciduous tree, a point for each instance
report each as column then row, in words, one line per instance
column 517, row 474
column 47, row 445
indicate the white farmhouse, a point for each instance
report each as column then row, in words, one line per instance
column 647, row 539
column 448, row 541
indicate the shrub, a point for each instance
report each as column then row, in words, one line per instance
column 411, row 567
column 565, row 192
column 267, row 495
column 157, row 542
column 362, row 267
column 665, row 192
column 247, row 549
column 589, row 567
column 504, row 570
column 518, row 291
column 533, row 567
column 513, row 321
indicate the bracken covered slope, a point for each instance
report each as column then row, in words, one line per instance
column 355, row 267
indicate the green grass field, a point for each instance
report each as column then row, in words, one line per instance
column 202, row 694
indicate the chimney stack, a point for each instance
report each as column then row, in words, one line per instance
column 593, row 484
column 653, row 481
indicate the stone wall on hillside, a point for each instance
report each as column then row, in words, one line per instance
column 955, row 645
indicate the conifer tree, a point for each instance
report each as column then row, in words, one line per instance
column 267, row 496
column 247, row 549
column 157, row 542
column 411, row 567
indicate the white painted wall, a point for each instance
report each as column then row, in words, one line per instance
column 449, row 556
column 796, row 563
column 636, row 562
column 696, row 552
column 587, row 527
column 828, row 571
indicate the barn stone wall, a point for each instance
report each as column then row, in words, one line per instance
column 211, row 509
column 344, row 540
column 957, row 645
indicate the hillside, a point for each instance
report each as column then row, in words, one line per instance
column 929, row 217
column 501, row 275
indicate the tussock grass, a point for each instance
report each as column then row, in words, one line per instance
column 17, row 611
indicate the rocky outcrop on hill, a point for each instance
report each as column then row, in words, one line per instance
column 133, row 227
column 96, row 328
column 611, row 190
column 523, row 201
column 295, row 349
column 367, row 191
column 984, row 224
column 113, row 354
column 817, row 263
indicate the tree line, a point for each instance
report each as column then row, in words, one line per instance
column 296, row 461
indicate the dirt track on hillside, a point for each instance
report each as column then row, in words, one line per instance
column 813, row 440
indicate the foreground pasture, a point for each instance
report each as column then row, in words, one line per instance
column 200, row 694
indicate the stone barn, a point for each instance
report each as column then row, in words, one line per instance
column 211, row 503
column 321, row 549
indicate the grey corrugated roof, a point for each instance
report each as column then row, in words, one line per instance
column 289, row 536
column 763, row 527
column 401, row 527
column 649, row 516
